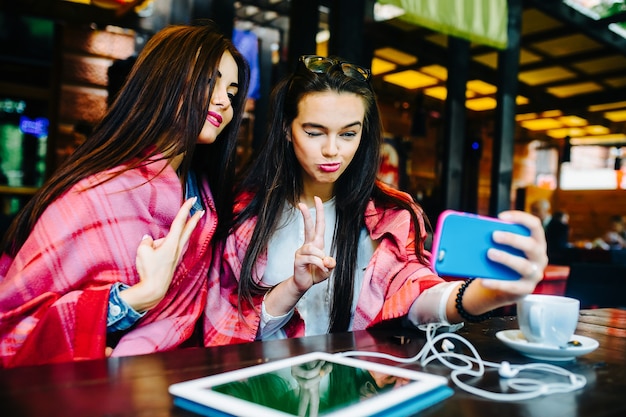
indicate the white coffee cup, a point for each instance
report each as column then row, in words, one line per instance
column 548, row 319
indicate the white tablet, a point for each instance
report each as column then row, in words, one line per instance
column 314, row 384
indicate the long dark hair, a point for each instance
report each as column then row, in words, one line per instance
column 160, row 110
column 275, row 177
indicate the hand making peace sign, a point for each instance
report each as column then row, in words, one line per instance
column 311, row 265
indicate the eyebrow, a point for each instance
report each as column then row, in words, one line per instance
column 319, row 126
column 233, row 84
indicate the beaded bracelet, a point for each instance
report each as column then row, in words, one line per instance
column 459, row 306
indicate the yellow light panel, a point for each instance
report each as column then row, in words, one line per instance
column 481, row 104
column 607, row 106
column 597, row 130
column 552, row 113
column 573, row 121
column 616, row 82
column 410, row 79
column 574, row 89
column 526, row 116
column 380, row 66
column 436, row 71
column 541, row 124
column 616, row 116
column 565, row 131
column 521, row 100
column 598, row 140
column 396, row 56
column 440, row 93
column 567, row 45
column 481, row 87
column 490, row 59
column 545, row 75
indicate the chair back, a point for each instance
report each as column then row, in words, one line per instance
column 597, row 285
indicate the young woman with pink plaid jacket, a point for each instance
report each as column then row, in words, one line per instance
column 319, row 245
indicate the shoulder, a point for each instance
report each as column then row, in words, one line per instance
column 384, row 216
column 391, row 204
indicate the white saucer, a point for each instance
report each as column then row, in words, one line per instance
column 516, row 340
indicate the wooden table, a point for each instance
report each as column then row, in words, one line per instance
column 137, row 386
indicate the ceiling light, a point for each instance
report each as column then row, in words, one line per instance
column 386, row 11
column 322, row 36
column 545, row 75
column 599, row 140
column 602, row 65
column 565, row 131
column 439, row 93
column 481, row 87
column 618, row 28
column 490, row 59
column 526, row 116
column 481, row 104
column 616, row 116
column 607, row 106
column 541, row 124
column 410, row 79
column 597, row 130
column 552, row 113
column 380, row 66
column 574, row 89
column 573, row 121
column 396, row 56
column 567, row 45
column 436, row 71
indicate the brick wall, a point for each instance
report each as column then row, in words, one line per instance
column 87, row 54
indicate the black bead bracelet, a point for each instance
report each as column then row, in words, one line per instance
column 459, row 306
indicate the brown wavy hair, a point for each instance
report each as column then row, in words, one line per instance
column 160, row 109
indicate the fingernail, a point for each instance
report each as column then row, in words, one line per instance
column 146, row 236
column 202, row 213
column 193, row 199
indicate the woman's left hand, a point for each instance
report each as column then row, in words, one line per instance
column 158, row 259
column 530, row 267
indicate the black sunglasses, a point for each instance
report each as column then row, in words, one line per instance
column 322, row 65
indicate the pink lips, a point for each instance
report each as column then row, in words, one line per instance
column 214, row 118
column 330, row 167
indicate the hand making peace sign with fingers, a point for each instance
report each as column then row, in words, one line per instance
column 157, row 260
column 311, row 264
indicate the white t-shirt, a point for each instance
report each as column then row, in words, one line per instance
column 314, row 306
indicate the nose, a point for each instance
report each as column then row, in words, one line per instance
column 330, row 146
column 220, row 97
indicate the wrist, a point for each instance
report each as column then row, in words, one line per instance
column 283, row 297
column 461, row 303
column 141, row 297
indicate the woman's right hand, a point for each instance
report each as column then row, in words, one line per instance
column 311, row 265
column 157, row 260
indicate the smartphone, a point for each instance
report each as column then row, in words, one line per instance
column 461, row 242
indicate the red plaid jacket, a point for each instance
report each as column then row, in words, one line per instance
column 54, row 294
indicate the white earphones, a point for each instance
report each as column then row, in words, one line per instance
column 526, row 388
column 505, row 370
column 447, row 346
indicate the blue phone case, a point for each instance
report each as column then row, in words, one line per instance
column 461, row 242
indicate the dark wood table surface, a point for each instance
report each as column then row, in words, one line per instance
column 138, row 386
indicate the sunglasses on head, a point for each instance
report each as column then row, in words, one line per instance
column 322, row 65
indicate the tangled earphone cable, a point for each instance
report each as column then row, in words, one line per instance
column 526, row 388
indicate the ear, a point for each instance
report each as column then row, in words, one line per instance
column 287, row 130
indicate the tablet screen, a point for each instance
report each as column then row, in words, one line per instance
column 312, row 385
column 316, row 387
